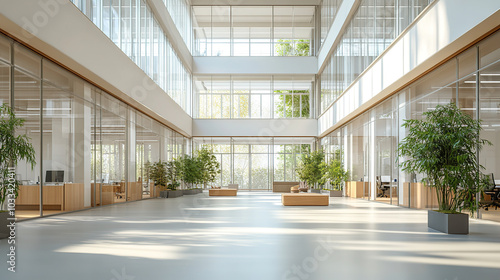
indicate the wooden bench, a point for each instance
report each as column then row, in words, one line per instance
column 304, row 199
column 222, row 192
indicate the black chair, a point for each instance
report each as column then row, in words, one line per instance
column 493, row 192
column 380, row 187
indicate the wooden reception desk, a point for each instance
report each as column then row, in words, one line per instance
column 65, row 197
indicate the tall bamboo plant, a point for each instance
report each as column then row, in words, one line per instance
column 12, row 149
column 443, row 147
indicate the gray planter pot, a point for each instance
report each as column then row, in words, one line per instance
column 335, row 193
column 315, row 191
column 163, row 194
column 448, row 223
column 174, row 194
column 4, row 230
column 189, row 192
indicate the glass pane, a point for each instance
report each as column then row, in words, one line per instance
column 27, row 107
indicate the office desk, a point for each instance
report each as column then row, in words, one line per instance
column 64, row 197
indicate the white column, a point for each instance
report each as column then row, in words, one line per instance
column 131, row 139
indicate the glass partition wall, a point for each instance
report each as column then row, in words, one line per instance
column 369, row 145
column 265, row 97
column 255, row 163
column 91, row 148
column 254, row 30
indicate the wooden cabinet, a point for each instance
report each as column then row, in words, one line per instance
column 134, row 191
column 67, row 197
column 417, row 195
column 354, row 189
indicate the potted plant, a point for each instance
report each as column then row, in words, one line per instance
column 158, row 173
column 443, row 148
column 173, row 169
column 210, row 167
column 337, row 176
column 12, row 149
column 191, row 173
column 312, row 169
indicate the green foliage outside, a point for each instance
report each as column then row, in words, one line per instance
column 443, row 147
column 312, row 168
column 289, row 106
column 286, row 47
column 12, row 149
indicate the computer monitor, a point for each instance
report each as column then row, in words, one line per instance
column 54, row 176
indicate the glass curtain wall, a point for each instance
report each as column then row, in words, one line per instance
column 253, row 30
column 180, row 12
column 90, row 147
column 374, row 26
column 370, row 140
column 258, row 97
column 131, row 25
column 329, row 9
column 254, row 163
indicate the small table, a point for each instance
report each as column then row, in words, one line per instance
column 222, row 192
column 304, row 199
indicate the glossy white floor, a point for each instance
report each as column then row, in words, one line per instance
column 251, row 236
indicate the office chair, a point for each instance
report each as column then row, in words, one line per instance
column 381, row 188
column 494, row 192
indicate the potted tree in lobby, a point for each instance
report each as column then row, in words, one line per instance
column 210, row 167
column 12, row 149
column 312, row 169
column 337, row 175
column 158, row 173
column 443, row 146
column 191, row 173
column 174, row 170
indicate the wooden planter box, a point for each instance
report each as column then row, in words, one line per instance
column 222, row 192
column 304, row 199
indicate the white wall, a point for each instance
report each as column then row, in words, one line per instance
column 447, row 27
column 257, row 128
column 255, row 65
column 62, row 32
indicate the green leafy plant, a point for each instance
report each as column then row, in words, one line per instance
column 12, row 149
column 210, row 167
column 191, row 170
column 173, row 174
column 312, row 168
column 158, row 173
column 336, row 174
column 443, row 147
